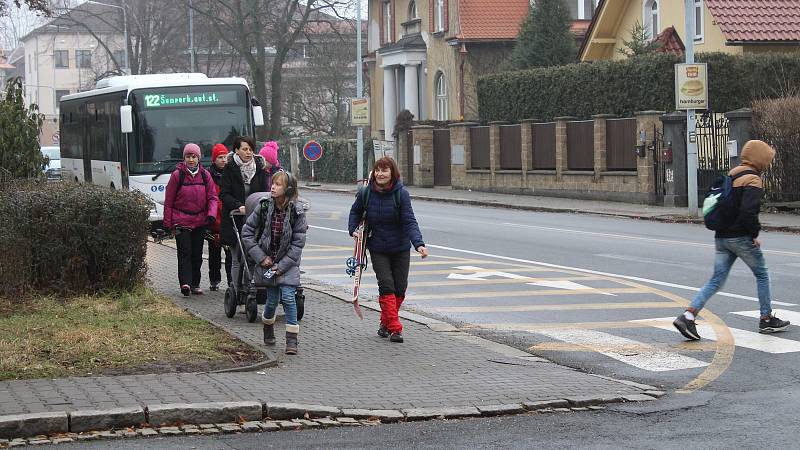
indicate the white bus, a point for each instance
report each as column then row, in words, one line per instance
column 129, row 132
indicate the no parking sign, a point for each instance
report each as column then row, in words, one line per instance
column 312, row 151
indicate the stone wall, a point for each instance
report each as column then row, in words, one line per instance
column 635, row 186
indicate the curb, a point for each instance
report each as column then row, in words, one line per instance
column 232, row 417
column 662, row 219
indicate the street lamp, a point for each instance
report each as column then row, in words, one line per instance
column 125, row 28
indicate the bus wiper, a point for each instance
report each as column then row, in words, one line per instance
column 166, row 170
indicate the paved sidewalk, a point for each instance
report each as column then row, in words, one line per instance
column 342, row 363
column 770, row 221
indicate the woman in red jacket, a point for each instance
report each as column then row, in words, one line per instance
column 190, row 205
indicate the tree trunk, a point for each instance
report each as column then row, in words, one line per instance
column 276, row 103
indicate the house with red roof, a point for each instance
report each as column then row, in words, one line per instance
column 729, row 26
column 426, row 55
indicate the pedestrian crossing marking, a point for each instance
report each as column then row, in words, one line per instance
column 438, row 263
column 536, row 293
column 791, row 316
column 685, row 346
column 741, row 338
column 653, row 360
column 536, row 327
column 559, row 307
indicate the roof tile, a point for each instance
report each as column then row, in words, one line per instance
column 491, row 19
column 764, row 20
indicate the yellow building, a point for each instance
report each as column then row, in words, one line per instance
column 730, row 26
column 426, row 55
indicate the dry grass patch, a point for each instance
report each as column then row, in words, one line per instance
column 138, row 332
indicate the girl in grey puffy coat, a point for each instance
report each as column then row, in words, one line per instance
column 274, row 236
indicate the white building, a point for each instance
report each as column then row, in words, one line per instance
column 67, row 55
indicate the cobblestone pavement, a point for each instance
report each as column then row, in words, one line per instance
column 342, row 363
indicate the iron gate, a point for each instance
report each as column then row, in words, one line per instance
column 441, row 157
column 712, row 152
column 659, row 166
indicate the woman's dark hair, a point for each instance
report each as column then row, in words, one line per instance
column 387, row 163
column 237, row 143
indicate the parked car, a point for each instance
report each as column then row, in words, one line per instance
column 53, row 169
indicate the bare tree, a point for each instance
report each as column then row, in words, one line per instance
column 324, row 81
column 41, row 6
column 157, row 32
column 263, row 32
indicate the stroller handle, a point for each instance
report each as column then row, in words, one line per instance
column 236, row 212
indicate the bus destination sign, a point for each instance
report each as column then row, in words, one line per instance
column 173, row 100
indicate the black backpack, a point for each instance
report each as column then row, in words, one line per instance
column 365, row 191
column 719, row 207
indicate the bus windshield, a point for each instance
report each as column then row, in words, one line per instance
column 166, row 119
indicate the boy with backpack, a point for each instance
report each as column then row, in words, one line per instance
column 734, row 218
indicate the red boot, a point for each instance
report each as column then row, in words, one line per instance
column 389, row 313
column 399, row 299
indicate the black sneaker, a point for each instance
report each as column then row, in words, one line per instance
column 396, row 337
column 214, row 286
column 687, row 328
column 773, row 325
column 186, row 290
column 383, row 331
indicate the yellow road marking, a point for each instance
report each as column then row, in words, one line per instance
column 328, row 249
column 536, row 293
column 418, row 284
column 560, row 307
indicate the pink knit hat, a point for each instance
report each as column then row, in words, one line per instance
column 191, row 149
column 270, row 152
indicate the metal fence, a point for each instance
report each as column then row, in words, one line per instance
column 712, row 152
column 580, row 145
column 511, row 147
column 479, row 148
column 544, row 146
column 621, row 144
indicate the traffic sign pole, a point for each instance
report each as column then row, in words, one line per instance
column 312, row 152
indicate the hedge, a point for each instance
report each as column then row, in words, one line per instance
column 71, row 238
column 635, row 84
column 775, row 121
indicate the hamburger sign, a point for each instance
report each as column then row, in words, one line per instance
column 691, row 86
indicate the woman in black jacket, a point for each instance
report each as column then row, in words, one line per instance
column 243, row 175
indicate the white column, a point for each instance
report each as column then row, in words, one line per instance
column 411, row 90
column 389, row 101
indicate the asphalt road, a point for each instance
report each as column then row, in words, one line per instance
column 595, row 293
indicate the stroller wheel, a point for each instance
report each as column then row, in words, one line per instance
column 230, row 303
column 300, row 301
column 252, row 309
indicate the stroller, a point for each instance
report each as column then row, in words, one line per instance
column 243, row 290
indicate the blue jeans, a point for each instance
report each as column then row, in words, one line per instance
column 284, row 295
column 728, row 249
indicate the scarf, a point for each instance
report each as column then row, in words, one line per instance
column 248, row 168
column 387, row 188
column 193, row 172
